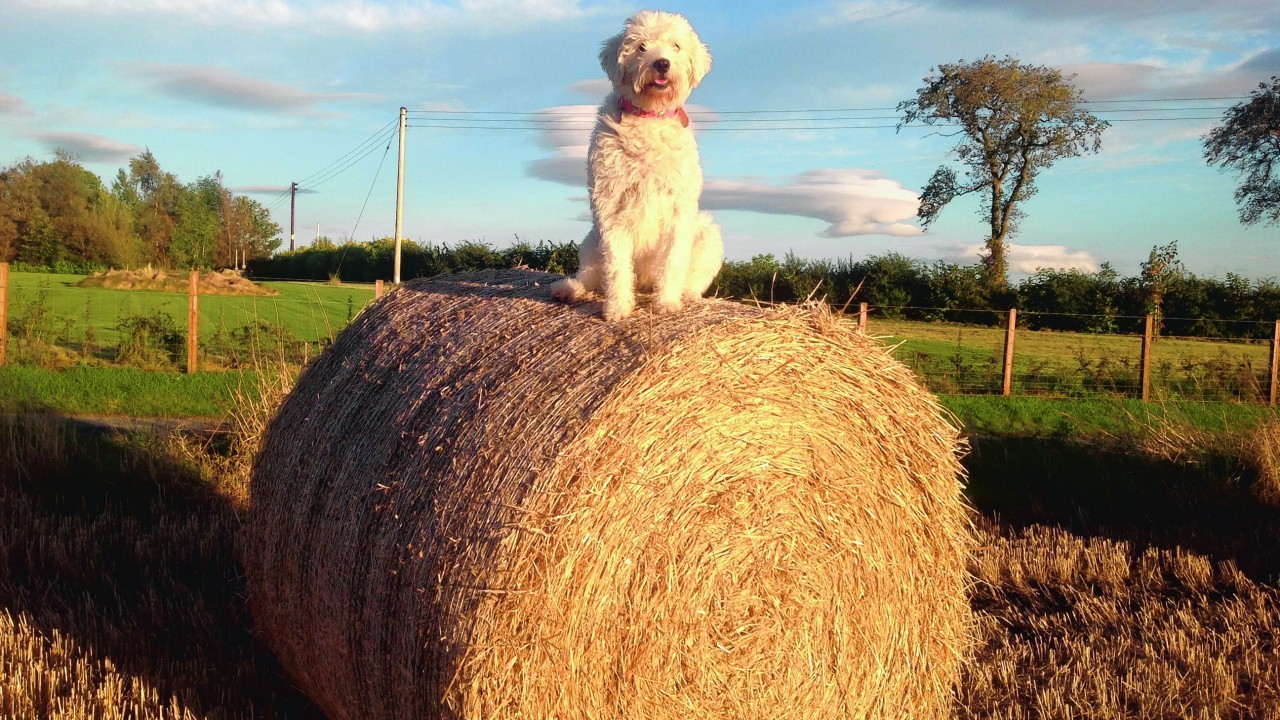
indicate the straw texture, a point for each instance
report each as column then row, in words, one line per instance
column 483, row 504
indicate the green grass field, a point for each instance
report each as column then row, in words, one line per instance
column 56, row 324
column 120, row 391
column 955, row 358
column 312, row 312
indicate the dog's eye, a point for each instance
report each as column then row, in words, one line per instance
column 642, row 48
column 677, row 47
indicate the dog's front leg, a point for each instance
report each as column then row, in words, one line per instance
column 673, row 278
column 618, row 273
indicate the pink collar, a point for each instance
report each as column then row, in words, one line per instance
column 630, row 107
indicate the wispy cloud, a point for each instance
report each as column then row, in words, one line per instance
column 15, row 106
column 88, row 147
column 1127, row 9
column 852, row 201
column 224, row 88
column 363, row 16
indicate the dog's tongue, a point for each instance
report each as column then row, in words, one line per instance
column 660, row 81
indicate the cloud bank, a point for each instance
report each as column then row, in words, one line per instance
column 331, row 16
column 851, row 201
column 14, row 105
column 88, row 147
column 1027, row 259
column 224, row 88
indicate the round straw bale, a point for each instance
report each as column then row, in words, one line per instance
column 480, row 503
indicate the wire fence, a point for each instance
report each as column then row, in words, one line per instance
column 52, row 322
column 963, row 351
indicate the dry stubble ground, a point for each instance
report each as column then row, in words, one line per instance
column 1112, row 582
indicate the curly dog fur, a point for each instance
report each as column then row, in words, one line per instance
column 644, row 176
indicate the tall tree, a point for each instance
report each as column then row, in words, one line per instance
column 159, row 193
column 248, row 229
column 1248, row 142
column 1014, row 120
column 199, row 223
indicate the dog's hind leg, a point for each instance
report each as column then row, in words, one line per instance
column 587, row 280
column 708, row 256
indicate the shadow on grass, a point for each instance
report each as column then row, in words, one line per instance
column 1107, row 489
column 113, row 545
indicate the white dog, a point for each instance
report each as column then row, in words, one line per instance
column 644, row 177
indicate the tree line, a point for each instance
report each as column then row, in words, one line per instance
column 894, row 285
column 58, row 214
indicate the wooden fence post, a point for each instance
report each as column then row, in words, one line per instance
column 4, row 308
column 193, row 322
column 377, row 289
column 1145, row 378
column 862, row 318
column 1007, row 388
column 1272, row 366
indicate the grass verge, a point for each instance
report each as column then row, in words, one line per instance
column 998, row 415
column 119, row 391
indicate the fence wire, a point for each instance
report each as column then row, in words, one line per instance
column 53, row 323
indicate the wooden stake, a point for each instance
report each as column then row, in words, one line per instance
column 377, row 289
column 193, row 322
column 4, row 308
column 1145, row 378
column 862, row 318
column 1007, row 388
column 1273, row 365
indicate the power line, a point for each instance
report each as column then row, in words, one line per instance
column 350, row 161
column 549, row 115
column 370, row 193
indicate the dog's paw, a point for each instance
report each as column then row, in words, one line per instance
column 566, row 290
column 667, row 306
column 617, row 310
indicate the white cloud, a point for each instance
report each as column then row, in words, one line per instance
column 333, row 16
column 852, row 201
column 221, row 87
column 565, row 130
column 88, row 147
column 1027, row 259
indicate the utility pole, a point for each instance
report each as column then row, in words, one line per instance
column 399, row 198
column 293, row 211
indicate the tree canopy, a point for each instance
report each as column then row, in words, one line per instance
column 59, row 212
column 1014, row 120
column 1248, row 142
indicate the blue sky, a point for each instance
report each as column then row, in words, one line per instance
column 275, row 91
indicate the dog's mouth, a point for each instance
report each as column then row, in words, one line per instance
column 659, row 82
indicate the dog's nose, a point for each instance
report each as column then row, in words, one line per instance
column 662, row 65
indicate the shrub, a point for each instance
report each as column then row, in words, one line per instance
column 152, row 339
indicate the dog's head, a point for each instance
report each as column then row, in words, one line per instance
column 656, row 61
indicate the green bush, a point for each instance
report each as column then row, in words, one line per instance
column 150, row 340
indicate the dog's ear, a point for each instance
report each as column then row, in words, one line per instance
column 699, row 63
column 611, row 58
